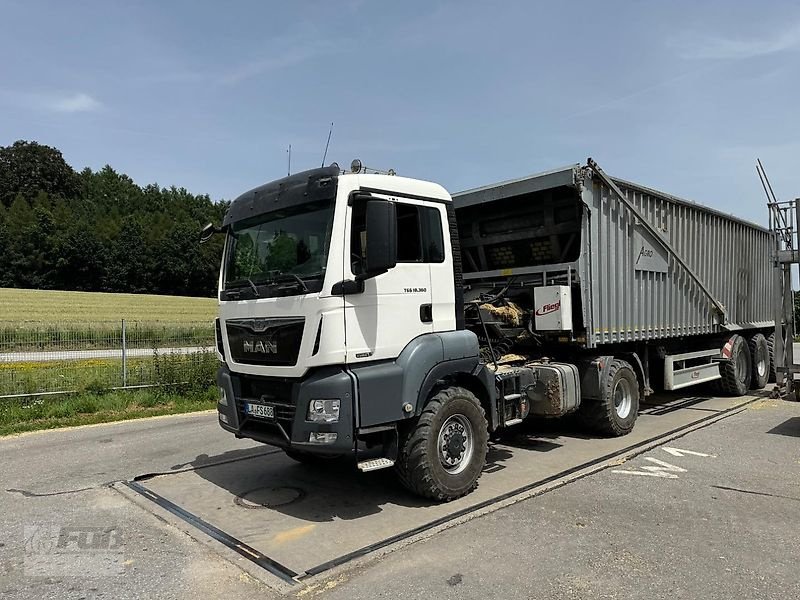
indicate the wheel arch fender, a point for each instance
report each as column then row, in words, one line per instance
column 594, row 371
column 396, row 390
column 478, row 380
column 633, row 359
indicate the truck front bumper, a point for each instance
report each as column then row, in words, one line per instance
column 289, row 399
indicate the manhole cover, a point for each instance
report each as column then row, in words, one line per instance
column 269, row 497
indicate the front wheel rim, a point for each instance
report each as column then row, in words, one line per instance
column 623, row 398
column 456, row 444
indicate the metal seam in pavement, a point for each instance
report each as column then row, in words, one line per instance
column 250, row 553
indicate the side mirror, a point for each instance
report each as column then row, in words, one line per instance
column 381, row 229
column 208, row 231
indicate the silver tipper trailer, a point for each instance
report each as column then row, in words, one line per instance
column 607, row 266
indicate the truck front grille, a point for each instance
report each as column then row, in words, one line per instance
column 265, row 341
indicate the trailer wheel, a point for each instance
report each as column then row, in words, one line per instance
column 759, row 355
column 443, row 454
column 738, row 371
column 615, row 414
column 773, row 374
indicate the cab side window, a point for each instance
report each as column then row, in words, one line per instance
column 419, row 235
column 409, row 234
column 358, row 238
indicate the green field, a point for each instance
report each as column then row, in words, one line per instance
column 25, row 308
column 44, row 320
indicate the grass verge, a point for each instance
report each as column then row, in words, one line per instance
column 98, row 374
column 89, row 408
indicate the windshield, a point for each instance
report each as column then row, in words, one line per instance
column 288, row 245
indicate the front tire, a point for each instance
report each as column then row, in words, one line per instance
column 615, row 413
column 760, row 359
column 443, row 454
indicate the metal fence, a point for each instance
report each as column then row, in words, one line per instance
column 74, row 357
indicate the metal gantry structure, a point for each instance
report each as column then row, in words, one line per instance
column 784, row 218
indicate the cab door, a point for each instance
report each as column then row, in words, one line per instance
column 395, row 307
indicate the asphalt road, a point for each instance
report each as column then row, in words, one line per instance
column 17, row 357
column 720, row 523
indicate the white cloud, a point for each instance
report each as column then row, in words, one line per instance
column 79, row 102
column 286, row 58
column 702, row 46
column 60, row 102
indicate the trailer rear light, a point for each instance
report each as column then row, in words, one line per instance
column 315, row 437
column 323, row 411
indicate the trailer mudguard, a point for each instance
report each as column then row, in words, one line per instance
column 593, row 372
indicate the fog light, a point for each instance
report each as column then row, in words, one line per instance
column 323, row 411
column 223, row 418
column 223, row 397
column 316, row 437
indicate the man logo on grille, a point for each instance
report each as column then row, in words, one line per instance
column 260, row 347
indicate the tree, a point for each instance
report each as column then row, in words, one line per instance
column 99, row 230
column 128, row 260
column 80, row 260
column 22, row 251
column 5, row 271
column 29, row 168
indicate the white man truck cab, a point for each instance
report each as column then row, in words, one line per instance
column 348, row 328
column 341, row 318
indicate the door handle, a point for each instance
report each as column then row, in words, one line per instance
column 426, row 313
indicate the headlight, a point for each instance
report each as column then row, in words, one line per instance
column 223, row 397
column 323, row 411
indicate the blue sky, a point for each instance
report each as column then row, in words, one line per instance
column 680, row 96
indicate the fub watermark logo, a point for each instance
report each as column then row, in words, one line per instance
column 53, row 550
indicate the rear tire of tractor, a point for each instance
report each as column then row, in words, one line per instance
column 738, row 371
column 443, row 454
column 773, row 374
column 615, row 414
column 760, row 360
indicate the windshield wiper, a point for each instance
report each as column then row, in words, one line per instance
column 252, row 285
column 292, row 278
column 255, row 289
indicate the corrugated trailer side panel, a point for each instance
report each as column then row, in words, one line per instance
column 638, row 291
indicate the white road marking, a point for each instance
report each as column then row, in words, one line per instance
column 679, row 452
column 648, row 473
column 664, row 469
column 664, row 466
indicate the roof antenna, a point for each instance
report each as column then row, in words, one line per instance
column 289, row 168
column 324, row 156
